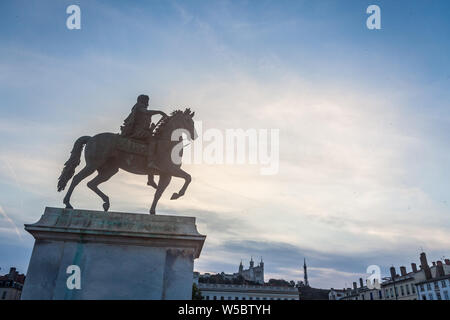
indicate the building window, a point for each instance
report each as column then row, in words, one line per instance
column 430, row 295
column 380, row 295
column 422, row 288
column 250, row 298
column 413, row 288
column 438, row 295
column 236, row 298
column 407, row 289
column 446, row 295
column 444, row 284
column 4, row 295
column 424, row 297
column 215, row 298
column 207, row 297
column 402, row 290
column 229, row 298
column 436, row 285
column 428, row 286
column 222, row 298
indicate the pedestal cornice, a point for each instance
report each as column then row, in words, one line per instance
column 179, row 233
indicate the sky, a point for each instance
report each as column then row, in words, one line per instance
column 363, row 121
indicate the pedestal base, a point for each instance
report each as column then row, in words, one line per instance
column 119, row 255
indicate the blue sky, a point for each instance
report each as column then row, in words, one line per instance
column 363, row 118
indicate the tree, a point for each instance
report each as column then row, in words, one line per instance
column 196, row 293
column 238, row 280
column 278, row 283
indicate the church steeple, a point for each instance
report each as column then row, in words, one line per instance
column 252, row 263
column 241, row 267
column 305, row 272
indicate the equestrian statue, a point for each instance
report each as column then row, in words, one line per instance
column 142, row 148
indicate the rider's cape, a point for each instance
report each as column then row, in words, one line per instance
column 127, row 128
column 128, row 125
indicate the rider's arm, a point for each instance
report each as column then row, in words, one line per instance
column 153, row 112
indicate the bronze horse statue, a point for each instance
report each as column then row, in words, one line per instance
column 103, row 152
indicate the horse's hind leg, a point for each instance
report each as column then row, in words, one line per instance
column 164, row 180
column 85, row 172
column 104, row 174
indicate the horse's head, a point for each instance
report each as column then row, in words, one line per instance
column 189, row 123
column 179, row 120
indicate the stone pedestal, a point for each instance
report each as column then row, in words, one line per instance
column 119, row 255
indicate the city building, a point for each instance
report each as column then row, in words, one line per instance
column 404, row 286
column 363, row 292
column 425, row 283
column 437, row 286
column 213, row 291
column 336, row 294
column 11, row 285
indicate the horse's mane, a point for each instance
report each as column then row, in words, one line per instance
column 165, row 121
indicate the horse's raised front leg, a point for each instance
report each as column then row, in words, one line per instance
column 164, row 180
column 180, row 173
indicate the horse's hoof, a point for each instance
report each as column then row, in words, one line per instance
column 152, row 211
column 106, row 206
column 174, row 196
column 68, row 206
column 152, row 184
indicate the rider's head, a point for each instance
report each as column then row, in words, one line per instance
column 143, row 99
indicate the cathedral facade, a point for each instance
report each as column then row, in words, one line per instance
column 253, row 273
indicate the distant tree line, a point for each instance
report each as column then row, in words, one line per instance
column 280, row 283
column 221, row 279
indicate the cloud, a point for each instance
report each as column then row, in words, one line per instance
column 11, row 223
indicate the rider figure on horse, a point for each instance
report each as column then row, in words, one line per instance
column 138, row 125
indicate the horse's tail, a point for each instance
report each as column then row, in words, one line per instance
column 70, row 165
